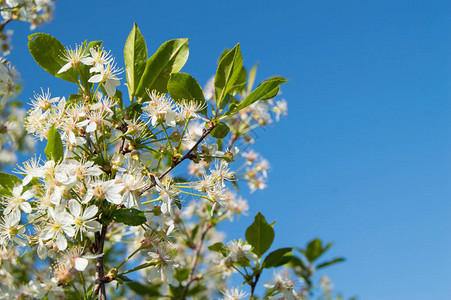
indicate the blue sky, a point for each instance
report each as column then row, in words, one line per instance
column 363, row 158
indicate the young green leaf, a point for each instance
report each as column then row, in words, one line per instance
column 54, row 149
column 169, row 58
column 315, row 249
column 135, row 56
column 47, row 51
column 251, row 78
column 260, row 235
column 267, row 90
column 182, row 86
column 228, row 73
column 129, row 216
column 218, row 247
column 220, row 131
column 277, row 258
column 8, row 180
column 330, row 262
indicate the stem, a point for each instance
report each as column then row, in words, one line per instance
column 183, row 133
column 196, row 254
column 254, row 284
column 188, row 154
column 137, row 268
column 128, row 258
column 99, row 284
column 204, row 135
column 167, row 137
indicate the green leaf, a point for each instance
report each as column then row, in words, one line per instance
column 182, row 86
column 218, row 247
column 134, row 111
column 54, row 149
column 260, row 235
column 129, row 216
column 169, row 58
column 315, row 249
column 181, row 274
column 47, row 52
column 8, row 181
column 135, row 56
column 144, row 289
column 251, row 79
column 93, row 44
column 330, row 262
column 228, row 73
column 277, row 258
column 89, row 294
column 267, row 90
column 220, row 131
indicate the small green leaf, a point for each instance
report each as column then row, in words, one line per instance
column 135, row 56
column 182, row 86
column 267, row 90
column 218, row 247
column 251, row 78
column 97, row 45
column 260, row 235
column 181, row 274
column 129, row 216
column 330, row 262
column 134, row 111
column 220, row 131
column 144, row 289
column 47, row 51
column 277, row 258
column 169, row 58
column 8, row 181
column 228, row 73
column 89, row 294
column 54, row 149
column 315, row 249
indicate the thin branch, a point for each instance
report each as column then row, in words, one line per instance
column 196, row 254
column 99, row 283
column 187, row 155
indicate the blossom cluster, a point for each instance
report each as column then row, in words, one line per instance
column 34, row 12
column 106, row 200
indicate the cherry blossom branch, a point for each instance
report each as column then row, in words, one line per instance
column 205, row 133
column 197, row 250
column 99, row 282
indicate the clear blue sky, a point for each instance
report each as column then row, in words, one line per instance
column 363, row 159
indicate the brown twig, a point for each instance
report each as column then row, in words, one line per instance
column 99, row 282
column 187, row 155
column 196, row 254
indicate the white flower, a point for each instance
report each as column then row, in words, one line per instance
column 163, row 257
column 283, row 284
column 132, row 185
column 241, row 251
column 160, row 109
column 280, row 109
column 109, row 190
column 222, row 173
column 108, row 76
column 71, row 172
column 190, row 109
column 10, row 231
column 59, row 226
column 18, row 201
column 31, row 169
column 73, row 57
column 168, row 193
column 84, row 221
column 234, row 294
column 99, row 57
